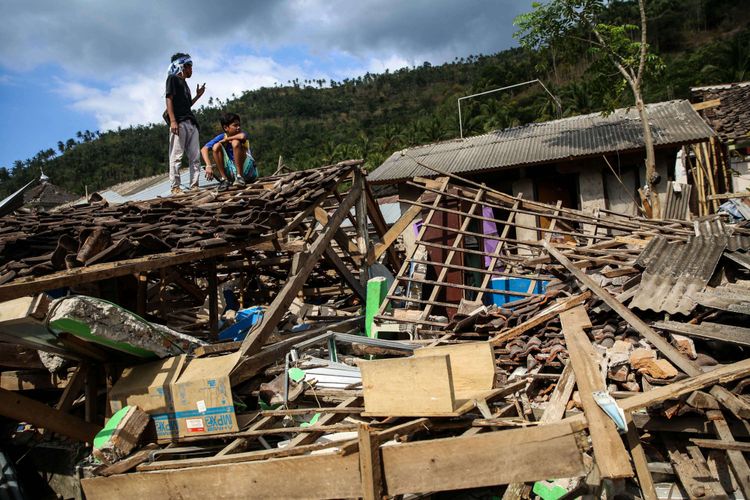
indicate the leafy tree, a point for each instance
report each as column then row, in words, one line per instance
column 559, row 20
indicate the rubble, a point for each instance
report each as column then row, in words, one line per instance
column 609, row 359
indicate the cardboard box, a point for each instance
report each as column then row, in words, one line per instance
column 203, row 397
column 184, row 398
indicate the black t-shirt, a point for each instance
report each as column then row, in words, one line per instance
column 181, row 99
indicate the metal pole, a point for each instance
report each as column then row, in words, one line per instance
column 554, row 99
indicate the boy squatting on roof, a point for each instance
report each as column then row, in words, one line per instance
column 183, row 126
column 230, row 149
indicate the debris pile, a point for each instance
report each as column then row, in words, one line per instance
column 515, row 348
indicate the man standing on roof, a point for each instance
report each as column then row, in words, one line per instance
column 183, row 126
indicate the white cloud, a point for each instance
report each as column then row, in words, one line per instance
column 139, row 99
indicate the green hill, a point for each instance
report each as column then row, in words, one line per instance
column 312, row 123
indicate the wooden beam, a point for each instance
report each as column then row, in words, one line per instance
column 387, row 239
column 609, row 451
column 25, row 380
column 718, row 444
column 213, row 302
column 707, row 330
column 322, row 476
column 736, row 459
column 31, row 285
column 23, row 409
column 333, row 258
column 370, row 464
column 475, row 461
column 737, row 406
column 541, row 317
column 253, row 342
column 234, row 458
column 634, row 321
column 363, row 235
column 340, row 236
column 381, row 228
column 75, row 384
column 272, row 353
column 698, row 106
column 645, row 481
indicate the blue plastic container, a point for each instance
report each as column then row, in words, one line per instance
column 514, row 285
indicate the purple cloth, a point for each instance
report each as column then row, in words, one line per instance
column 489, row 228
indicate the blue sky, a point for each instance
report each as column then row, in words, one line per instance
column 76, row 65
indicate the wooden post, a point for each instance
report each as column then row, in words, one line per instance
column 370, row 464
column 213, row 302
column 23, row 409
column 363, row 238
column 609, row 452
column 142, row 298
column 253, row 342
column 645, row 480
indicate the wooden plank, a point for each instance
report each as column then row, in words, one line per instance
column 634, row 321
column 363, row 235
column 30, row 285
column 330, row 418
column 429, row 391
column 558, row 401
column 698, row 106
column 718, row 444
column 25, row 380
column 130, row 462
column 728, row 196
column 73, row 388
column 340, row 236
column 487, row 459
column 253, row 342
column 541, row 317
column 609, row 451
column 235, row 458
column 472, row 366
column 739, row 407
column 332, row 257
column 708, row 330
column 322, row 476
column 394, row 232
column 694, row 474
column 23, row 409
column 381, row 228
column 370, row 464
column 736, row 459
column 645, row 481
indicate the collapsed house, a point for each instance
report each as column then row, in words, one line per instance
column 286, row 340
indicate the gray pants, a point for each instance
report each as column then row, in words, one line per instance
column 188, row 142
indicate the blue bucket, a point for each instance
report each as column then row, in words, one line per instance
column 514, row 285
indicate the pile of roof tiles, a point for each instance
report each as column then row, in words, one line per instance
column 41, row 244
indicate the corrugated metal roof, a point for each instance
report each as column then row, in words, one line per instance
column 732, row 297
column 675, row 272
column 148, row 188
column 672, row 122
